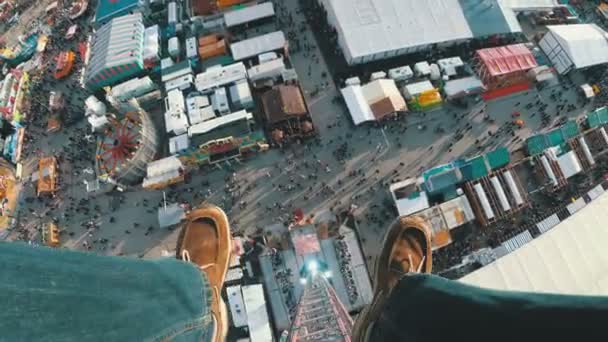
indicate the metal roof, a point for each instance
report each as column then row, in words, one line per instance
column 248, row 14
column 474, row 168
column 498, row 158
column 598, row 117
column 207, row 126
column 585, row 44
column 254, row 46
column 257, row 316
column 117, row 43
column 237, row 306
column 369, row 27
column 570, row 258
column 220, row 75
column 536, row 144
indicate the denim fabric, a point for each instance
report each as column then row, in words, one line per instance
column 67, row 296
column 425, row 308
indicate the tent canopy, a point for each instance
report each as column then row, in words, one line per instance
column 585, row 44
column 358, row 108
column 507, row 59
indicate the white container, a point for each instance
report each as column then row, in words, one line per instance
column 173, row 47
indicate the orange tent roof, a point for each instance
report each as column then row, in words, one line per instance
column 47, row 175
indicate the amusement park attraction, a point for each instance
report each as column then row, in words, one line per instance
column 126, row 147
column 65, row 63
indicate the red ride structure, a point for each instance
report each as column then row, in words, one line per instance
column 126, row 148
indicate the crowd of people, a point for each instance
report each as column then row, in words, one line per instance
column 344, row 260
column 283, row 277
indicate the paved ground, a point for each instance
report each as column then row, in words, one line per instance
column 347, row 165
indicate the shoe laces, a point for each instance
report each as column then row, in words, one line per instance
column 412, row 268
column 186, row 257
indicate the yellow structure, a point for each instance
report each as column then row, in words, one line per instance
column 52, row 235
column 428, row 99
column 9, row 191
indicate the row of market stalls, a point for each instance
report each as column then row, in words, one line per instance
column 482, row 188
column 493, row 72
column 492, row 187
column 405, row 88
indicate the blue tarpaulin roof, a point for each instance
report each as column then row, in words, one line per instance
column 108, row 9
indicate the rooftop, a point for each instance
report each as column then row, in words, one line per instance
column 585, row 44
column 489, row 17
column 507, row 59
column 106, row 9
column 567, row 259
column 283, row 102
column 254, row 46
column 367, row 27
column 248, row 13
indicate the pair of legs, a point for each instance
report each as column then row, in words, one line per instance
column 55, row 295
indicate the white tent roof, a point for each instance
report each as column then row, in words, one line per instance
column 198, row 115
column 218, row 76
column 257, row 316
column 524, row 5
column 463, row 86
column 212, row 124
column 269, row 69
column 383, row 88
column 368, row 27
column 570, row 258
column 254, row 46
column 237, row 306
column 162, row 166
column 357, row 105
column 569, row 164
column 585, row 44
column 176, row 120
column 587, row 90
column 162, row 170
column 151, row 42
column 249, row 13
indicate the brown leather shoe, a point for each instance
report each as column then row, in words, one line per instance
column 205, row 241
column 406, row 249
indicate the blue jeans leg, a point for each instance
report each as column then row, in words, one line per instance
column 67, row 296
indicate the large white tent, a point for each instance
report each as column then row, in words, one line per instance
column 570, row 258
column 370, row 30
column 575, row 46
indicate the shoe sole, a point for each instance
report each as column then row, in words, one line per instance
column 221, row 323
column 371, row 313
